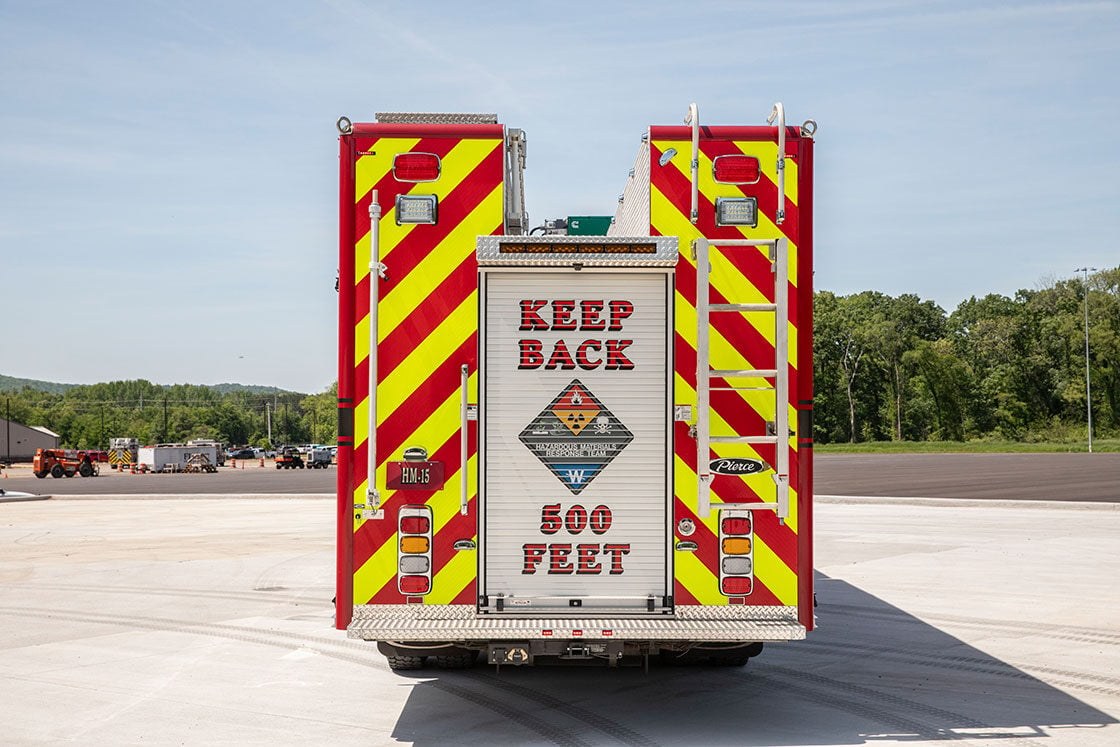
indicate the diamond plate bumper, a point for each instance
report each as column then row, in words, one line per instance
column 461, row 622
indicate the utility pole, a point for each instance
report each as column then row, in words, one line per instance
column 8, row 425
column 1088, row 395
column 268, row 421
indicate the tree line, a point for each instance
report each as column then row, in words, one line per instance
column 886, row 369
column 86, row 417
column 902, row 369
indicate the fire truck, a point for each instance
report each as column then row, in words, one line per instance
column 592, row 448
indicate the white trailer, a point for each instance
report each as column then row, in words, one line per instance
column 174, row 457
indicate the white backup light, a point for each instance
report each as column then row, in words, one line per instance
column 736, row 211
column 416, row 209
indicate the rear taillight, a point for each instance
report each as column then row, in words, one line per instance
column 415, row 524
column 416, row 167
column 414, row 556
column 736, row 544
column 735, row 169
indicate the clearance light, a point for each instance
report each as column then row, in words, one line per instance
column 416, row 167
column 416, row 209
column 736, row 585
column 734, row 169
column 414, row 544
column 736, row 542
column 736, row 546
column 736, row 211
column 414, row 559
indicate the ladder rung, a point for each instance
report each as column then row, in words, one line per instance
column 744, row 439
column 762, row 373
column 742, row 307
column 741, row 388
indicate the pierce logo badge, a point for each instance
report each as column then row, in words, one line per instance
column 576, row 436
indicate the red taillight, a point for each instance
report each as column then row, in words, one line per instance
column 415, row 524
column 735, row 169
column 415, row 584
column 736, row 585
column 416, row 167
column 736, row 526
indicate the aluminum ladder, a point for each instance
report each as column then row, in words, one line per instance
column 779, row 265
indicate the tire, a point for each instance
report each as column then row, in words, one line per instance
column 402, row 663
column 278, row 466
column 463, row 661
column 57, row 471
column 86, row 469
column 41, row 474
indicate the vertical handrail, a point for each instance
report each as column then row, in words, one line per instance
column 779, row 112
column 781, row 366
column 463, row 408
column 375, row 271
column 703, row 380
column 693, row 119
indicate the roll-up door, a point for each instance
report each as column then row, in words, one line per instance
column 575, row 470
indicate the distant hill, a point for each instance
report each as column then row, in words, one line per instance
column 250, row 388
column 12, row 384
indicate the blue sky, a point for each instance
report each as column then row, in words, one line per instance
column 168, row 171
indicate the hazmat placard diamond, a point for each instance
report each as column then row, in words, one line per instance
column 576, row 436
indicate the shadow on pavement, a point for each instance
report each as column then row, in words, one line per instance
column 869, row 673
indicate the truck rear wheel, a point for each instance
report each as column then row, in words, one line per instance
column 462, row 661
column 85, row 470
column 399, row 663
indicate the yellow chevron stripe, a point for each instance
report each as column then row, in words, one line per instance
column 371, row 169
column 372, row 576
column 695, row 576
column 459, row 245
column 769, row 568
column 456, row 166
column 453, row 577
column 709, row 190
column 762, row 484
column 426, row 357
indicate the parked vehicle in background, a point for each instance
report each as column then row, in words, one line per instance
column 318, row 457
column 62, row 463
column 289, row 457
column 245, row 453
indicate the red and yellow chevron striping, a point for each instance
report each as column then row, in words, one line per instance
column 427, row 329
column 738, row 341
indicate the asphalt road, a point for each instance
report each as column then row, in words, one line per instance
column 1034, row 477
column 1056, row 477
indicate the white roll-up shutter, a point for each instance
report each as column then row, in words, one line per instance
column 575, row 457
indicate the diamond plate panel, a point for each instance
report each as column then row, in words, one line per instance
column 461, row 623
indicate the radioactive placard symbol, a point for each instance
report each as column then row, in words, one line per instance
column 576, row 420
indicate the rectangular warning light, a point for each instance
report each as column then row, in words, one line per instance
column 737, row 211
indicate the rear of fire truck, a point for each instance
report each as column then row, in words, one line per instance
column 591, row 448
